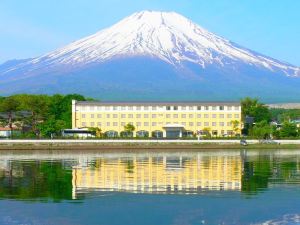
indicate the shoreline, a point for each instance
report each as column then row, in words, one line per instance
column 125, row 145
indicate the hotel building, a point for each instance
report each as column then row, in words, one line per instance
column 159, row 119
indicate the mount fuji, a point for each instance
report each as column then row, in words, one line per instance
column 154, row 56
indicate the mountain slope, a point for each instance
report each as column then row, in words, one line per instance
column 150, row 54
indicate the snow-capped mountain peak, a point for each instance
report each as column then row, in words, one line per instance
column 166, row 35
column 153, row 55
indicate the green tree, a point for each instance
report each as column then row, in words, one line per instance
column 51, row 126
column 235, row 126
column 96, row 131
column 252, row 107
column 8, row 108
column 207, row 131
column 129, row 128
column 288, row 130
column 37, row 106
column 262, row 130
column 61, row 107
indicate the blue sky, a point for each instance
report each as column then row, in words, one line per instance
column 34, row 27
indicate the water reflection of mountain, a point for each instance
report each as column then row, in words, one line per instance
column 60, row 176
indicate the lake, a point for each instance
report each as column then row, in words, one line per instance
column 150, row 187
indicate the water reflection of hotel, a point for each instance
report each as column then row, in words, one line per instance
column 159, row 174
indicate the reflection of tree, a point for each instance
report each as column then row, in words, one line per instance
column 256, row 175
column 31, row 180
column 264, row 170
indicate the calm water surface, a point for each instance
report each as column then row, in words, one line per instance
column 147, row 188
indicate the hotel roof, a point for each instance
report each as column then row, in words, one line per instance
column 157, row 103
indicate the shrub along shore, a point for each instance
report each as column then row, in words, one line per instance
column 169, row 145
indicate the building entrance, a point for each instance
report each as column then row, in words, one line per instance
column 173, row 134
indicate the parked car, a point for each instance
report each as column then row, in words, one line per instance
column 243, row 142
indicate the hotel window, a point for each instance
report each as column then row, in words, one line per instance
column 92, row 124
column 236, row 116
column 206, row 116
column 130, row 115
column 138, row 115
column 146, row 108
column 107, row 115
column 199, row 124
column 229, row 116
column 191, row 116
column 183, row 115
column 131, row 123
column 198, row 115
column 183, row 123
column 146, row 124
column 115, row 124
column 115, row 108
column 108, row 124
column 229, row 124
column 168, row 107
column 92, row 108
column 130, row 107
column 138, row 124
column 154, row 124
column 229, row 108
column 214, row 124
column 123, row 115
column 214, row 108
column 191, row 108
column 153, row 115
column 221, row 107
column 214, row 116
column 175, row 107
column 115, row 115
column 83, row 115
column 221, row 124
column 123, row 108
column 206, row 108
column 99, row 116
column 198, row 107
column 206, row 124
column 168, row 115
column 236, row 108
column 230, row 132
column 175, row 116
column 183, row 108
column 99, row 124
column 138, row 108
column 99, row 108
column 191, row 124
column 123, row 124
column 221, row 116
column 92, row 115
column 106, row 107
column 146, row 115
column 83, row 124
column 153, row 107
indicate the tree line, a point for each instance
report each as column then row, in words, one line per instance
column 268, row 123
column 44, row 116
column 38, row 115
